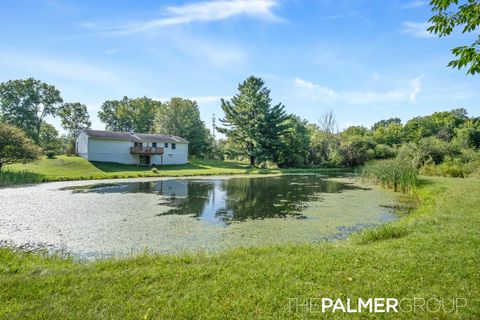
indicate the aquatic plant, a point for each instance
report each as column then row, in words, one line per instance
column 8, row 178
column 393, row 174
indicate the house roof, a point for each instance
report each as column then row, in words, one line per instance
column 132, row 136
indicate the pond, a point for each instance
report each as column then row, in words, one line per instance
column 121, row 217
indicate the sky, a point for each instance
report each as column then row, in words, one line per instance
column 365, row 60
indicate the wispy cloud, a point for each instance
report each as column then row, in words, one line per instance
column 109, row 52
column 314, row 91
column 198, row 99
column 415, row 4
column 417, row 29
column 61, row 68
column 416, row 85
column 206, row 11
column 318, row 92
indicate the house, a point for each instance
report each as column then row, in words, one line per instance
column 131, row 148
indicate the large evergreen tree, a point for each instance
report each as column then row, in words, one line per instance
column 251, row 123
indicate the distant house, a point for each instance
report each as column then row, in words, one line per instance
column 131, row 148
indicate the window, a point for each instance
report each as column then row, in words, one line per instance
column 166, row 144
column 174, row 146
column 138, row 144
column 154, row 144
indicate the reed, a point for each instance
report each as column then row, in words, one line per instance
column 392, row 173
column 9, row 178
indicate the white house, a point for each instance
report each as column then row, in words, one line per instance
column 131, row 148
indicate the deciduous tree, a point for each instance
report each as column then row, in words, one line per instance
column 181, row 117
column 450, row 15
column 74, row 117
column 129, row 115
column 26, row 103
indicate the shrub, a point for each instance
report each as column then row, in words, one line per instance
column 155, row 170
column 428, row 151
column 50, row 154
column 15, row 146
column 383, row 151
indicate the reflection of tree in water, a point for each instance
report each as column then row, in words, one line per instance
column 251, row 198
column 268, row 197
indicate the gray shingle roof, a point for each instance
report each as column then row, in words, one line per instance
column 132, row 136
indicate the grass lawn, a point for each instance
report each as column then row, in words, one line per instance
column 432, row 253
column 76, row 168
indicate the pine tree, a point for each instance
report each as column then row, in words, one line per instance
column 251, row 123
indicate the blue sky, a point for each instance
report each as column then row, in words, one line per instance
column 366, row 60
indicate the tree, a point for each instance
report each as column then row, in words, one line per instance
column 391, row 134
column 15, row 146
column 355, row 150
column 25, row 103
column 181, row 117
column 129, row 115
column 251, row 123
column 439, row 124
column 328, row 123
column 49, row 140
column 74, row 117
column 295, row 143
column 386, row 123
column 449, row 15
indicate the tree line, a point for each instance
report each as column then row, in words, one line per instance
column 254, row 129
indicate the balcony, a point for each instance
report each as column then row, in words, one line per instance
column 146, row 150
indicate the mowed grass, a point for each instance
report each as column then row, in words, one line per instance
column 63, row 168
column 432, row 253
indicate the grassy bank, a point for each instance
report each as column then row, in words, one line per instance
column 432, row 253
column 63, row 168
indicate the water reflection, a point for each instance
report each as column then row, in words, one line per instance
column 236, row 199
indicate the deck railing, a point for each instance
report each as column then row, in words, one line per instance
column 146, row 150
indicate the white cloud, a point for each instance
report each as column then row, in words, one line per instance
column 215, row 10
column 317, row 92
column 417, row 29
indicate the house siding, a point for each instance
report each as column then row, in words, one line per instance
column 82, row 145
column 111, row 150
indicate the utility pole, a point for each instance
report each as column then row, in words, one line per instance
column 213, row 126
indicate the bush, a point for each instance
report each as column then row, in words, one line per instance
column 155, row 170
column 50, row 154
column 429, row 151
column 15, row 146
column 383, row 151
column 393, row 174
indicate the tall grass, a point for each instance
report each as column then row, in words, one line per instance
column 393, row 174
column 9, row 178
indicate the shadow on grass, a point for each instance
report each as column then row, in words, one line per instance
column 422, row 182
column 110, row 167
